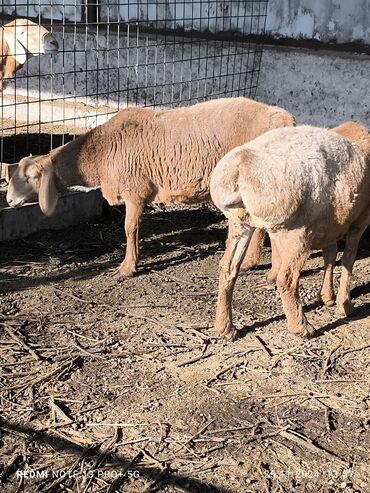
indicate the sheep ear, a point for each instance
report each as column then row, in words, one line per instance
column 20, row 53
column 16, row 49
column 48, row 193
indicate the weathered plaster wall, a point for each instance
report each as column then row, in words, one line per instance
column 326, row 20
column 199, row 15
column 58, row 11
column 319, row 87
column 145, row 70
column 341, row 21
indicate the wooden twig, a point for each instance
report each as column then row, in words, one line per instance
column 131, row 442
column 85, row 352
column 264, row 436
column 154, row 321
column 22, row 343
column 119, row 425
column 18, row 433
column 73, row 296
column 45, row 376
column 262, row 345
column 62, row 477
column 340, row 381
column 311, row 447
column 82, row 336
column 57, row 411
column 360, row 348
column 178, row 280
column 230, row 430
column 157, row 480
column 194, row 360
column 195, row 330
column 101, row 457
column 328, row 363
column 221, row 372
column 22, row 316
column 293, row 394
column 115, row 485
column 199, row 432
column 9, row 467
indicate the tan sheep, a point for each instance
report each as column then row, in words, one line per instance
column 20, row 40
column 143, row 155
column 353, row 132
column 307, row 187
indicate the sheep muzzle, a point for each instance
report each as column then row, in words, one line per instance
column 49, row 43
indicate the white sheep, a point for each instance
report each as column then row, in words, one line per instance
column 307, row 187
column 143, row 155
column 20, row 40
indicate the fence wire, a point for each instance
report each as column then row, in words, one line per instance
column 158, row 53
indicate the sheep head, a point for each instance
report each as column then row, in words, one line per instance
column 34, row 175
column 26, row 39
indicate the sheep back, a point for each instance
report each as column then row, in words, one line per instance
column 168, row 155
column 301, row 177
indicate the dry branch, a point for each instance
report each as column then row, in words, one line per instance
column 311, row 447
column 20, row 341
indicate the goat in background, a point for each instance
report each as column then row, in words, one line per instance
column 20, row 40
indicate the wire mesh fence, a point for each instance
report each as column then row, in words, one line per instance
column 157, row 53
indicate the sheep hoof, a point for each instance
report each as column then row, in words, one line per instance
column 346, row 309
column 266, row 285
column 249, row 263
column 271, row 276
column 306, row 330
column 124, row 271
column 329, row 302
column 326, row 300
column 227, row 333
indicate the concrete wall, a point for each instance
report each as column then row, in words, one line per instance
column 146, row 70
column 61, row 10
column 198, row 15
column 319, row 87
column 73, row 207
column 341, row 21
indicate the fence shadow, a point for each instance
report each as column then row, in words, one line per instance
column 360, row 313
column 157, row 474
column 19, row 145
column 168, row 238
column 177, row 237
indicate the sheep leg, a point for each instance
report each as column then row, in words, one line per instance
column 254, row 251
column 293, row 256
column 327, row 295
column 344, row 303
column 236, row 247
column 134, row 211
column 275, row 263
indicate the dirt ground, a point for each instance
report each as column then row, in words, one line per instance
column 19, row 139
column 122, row 386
